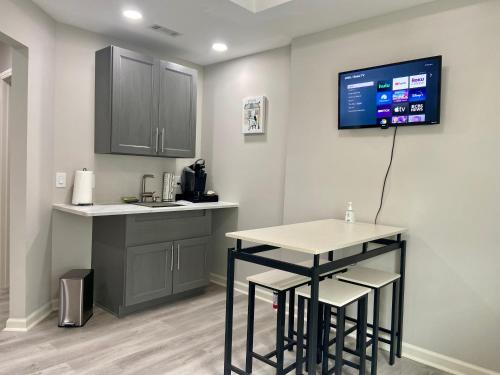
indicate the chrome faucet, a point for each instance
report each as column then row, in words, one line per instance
column 146, row 194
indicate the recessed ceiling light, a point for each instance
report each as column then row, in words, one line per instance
column 219, row 47
column 132, row 14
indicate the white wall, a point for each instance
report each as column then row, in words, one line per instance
column 445, row 179
column 32, row 136
column 246, row 169
column 5, row 63
column 116, row 175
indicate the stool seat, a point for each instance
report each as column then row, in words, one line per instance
column 281, row 280
column 368, row 277
column 335, row 293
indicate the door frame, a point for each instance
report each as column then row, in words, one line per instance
column 5, row 82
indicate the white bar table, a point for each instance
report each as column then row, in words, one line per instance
column 313, row 238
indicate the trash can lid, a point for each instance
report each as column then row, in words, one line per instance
column 77, row 274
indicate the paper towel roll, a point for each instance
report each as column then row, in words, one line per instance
column 82, row 190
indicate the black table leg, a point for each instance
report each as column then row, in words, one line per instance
column 376, row 312
column 291, row 316
column 229, row 311
column 402, row 267
column 312, row 331
column 362, row 349
column 280, row 333
column 250, row 327
column 326, row 337
column 339, row 343
column 358, row 326
column 300, row 336
column 320, row 331
column 394, row 318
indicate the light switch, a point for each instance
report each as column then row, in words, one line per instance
column 60, row 180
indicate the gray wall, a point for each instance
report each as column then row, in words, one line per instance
column 445, row 179
column 246, row 169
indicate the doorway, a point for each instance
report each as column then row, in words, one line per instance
column 5, row 82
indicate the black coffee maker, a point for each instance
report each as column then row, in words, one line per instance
column 193, row 180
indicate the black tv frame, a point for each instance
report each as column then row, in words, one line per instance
column 439, row 59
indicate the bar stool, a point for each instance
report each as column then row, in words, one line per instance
column 376, row 280
column 333, row 293
column 281, row 283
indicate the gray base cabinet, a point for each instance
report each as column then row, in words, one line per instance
column 143, row 106
column 149, row 272
column 191, row 269
column 147, row 259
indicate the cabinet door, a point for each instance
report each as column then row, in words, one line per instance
column 135, row 103
column 177, row 119
column 149, row 272
column 191, row 268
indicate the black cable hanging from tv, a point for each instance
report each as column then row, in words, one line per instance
column 387, row 173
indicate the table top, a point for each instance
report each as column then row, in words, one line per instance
column 132, row 209
column 317, row 237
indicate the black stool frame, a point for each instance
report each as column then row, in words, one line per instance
column 340, row 334
column 280, row 330
column 250, row 255
column 374, row 337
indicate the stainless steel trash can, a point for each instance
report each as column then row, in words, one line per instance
column 76, row 297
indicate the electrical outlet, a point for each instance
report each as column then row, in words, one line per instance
column 60, row 180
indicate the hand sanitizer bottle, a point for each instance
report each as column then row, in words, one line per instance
column 349, row 214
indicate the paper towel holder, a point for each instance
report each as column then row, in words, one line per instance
column 83, row 188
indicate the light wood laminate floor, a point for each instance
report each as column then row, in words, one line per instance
column 186, row 337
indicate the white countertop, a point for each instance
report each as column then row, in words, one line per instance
column 317, row 237
column 131, row 209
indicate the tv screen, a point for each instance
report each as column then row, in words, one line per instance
column 401, row 94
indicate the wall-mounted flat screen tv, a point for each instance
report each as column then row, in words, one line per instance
column 401, row 94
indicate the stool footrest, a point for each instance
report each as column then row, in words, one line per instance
column 286, row 347
column 272, row 363
column 345, row 362
column 354, row 320
column 238, row 370
column 355, row 352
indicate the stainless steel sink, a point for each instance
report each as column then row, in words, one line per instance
column 158, row 204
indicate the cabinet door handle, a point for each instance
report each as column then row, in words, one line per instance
column 162, row 139
column 156, row 143
column 172, row 259
column 178, row 257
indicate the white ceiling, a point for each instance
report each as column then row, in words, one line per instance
column 273, row 23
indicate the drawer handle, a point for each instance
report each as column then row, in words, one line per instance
column 178, row 257
column 172, row 259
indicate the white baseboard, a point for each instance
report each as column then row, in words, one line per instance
column 415, row 353
column 24, row 325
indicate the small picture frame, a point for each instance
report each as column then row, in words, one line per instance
column 254, row 115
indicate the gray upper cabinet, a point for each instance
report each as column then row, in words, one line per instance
column 143, row 106
column 177, row 110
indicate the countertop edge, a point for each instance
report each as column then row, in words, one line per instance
column 136, row 210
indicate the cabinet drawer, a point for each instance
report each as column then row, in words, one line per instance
column 167, row 226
